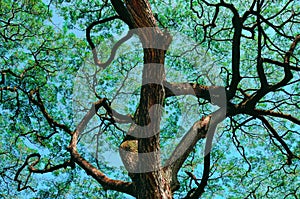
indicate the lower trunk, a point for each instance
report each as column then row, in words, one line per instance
column 153, row 185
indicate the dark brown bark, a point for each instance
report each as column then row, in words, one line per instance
column 151, row 181
column 152, row 184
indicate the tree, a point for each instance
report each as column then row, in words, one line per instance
column 46, row 123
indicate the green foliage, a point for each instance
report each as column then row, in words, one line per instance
column 43, row 51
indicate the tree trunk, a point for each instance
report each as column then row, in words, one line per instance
column 152, row 183
column 143, row 163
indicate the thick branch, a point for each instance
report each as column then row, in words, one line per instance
column 122, row 12
column 92, row 25
column 196, row 193
column 237, row 23
column 200, row 91
column 205, row 175
column 259, row 66
column 176, row 89
column 281, row 64
column 106, row 182
column 205, row 128
column 185, row 147
column 236, row 45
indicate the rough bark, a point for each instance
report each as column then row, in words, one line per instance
column 150, row 179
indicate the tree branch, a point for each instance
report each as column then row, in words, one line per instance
column 48, row 169
column 289, row 117
column 216, row 118
column 205, row 128
column 252, row 101
column 196, row 194
column 122, row 12
column 115, row 47
column 281, row 64
column 289, row 154
column 16, row 178
column 185, row 147
column 106, row 182
column 200, row 91
column 92, row 25
column 38, row 102
column 259, row 65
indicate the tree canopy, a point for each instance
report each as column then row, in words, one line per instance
column 149, row 99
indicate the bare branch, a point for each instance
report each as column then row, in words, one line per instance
column 276, row 114
column 205, row 176
column 48, row 169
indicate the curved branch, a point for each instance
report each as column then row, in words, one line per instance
column 287, row 77
column 237, row 23
column 68, row 163
column 275, row 28
column 32, row 169
column 205, row 175
column 115, row 47
column 106, row 182
column 280, row 11
column 92, row 25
